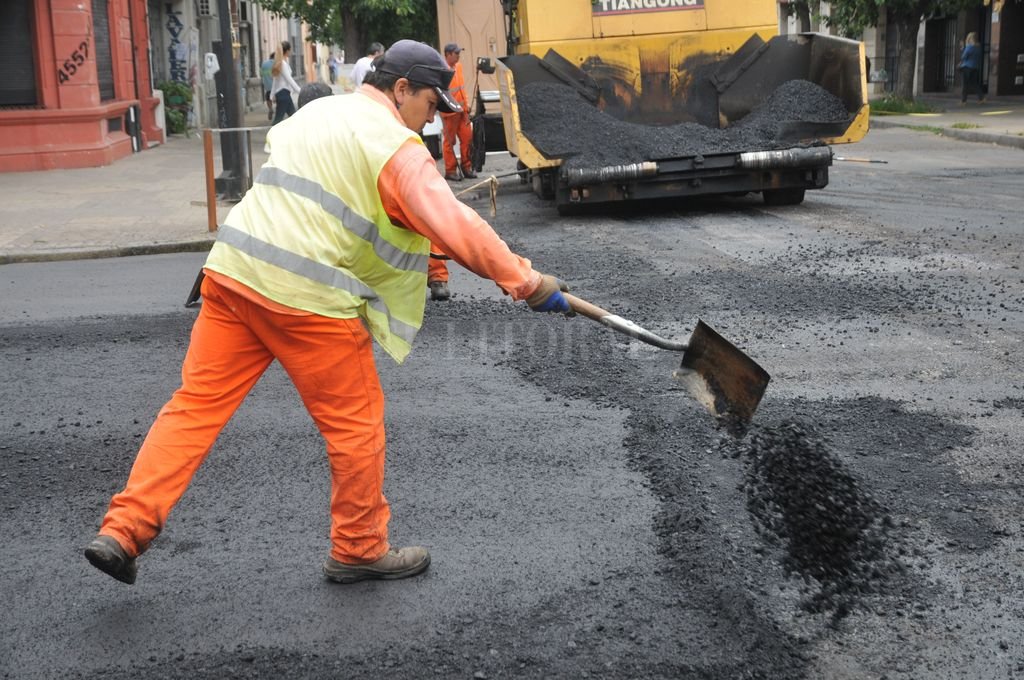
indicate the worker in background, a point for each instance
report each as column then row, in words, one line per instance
column 327, row 249
column 268, row 83
column 456, row 125
column 363, row 64
column 437, row 275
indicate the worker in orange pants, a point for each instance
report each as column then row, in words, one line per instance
column 326, row 250
column 456, row 124
column 233, row 342
column 437, row 275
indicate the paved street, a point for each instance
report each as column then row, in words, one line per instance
column 155, row 202
column 585, row 517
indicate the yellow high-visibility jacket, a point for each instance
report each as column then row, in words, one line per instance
column 312, row 232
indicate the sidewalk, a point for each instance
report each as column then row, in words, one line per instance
column 150, row 202
column 1000, row 120
column 155, row 201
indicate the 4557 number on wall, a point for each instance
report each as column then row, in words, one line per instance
column 71, row 64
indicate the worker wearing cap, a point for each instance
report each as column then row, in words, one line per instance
column 328, row 249
column 456, row 124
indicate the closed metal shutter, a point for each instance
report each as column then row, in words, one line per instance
column 18, row 84
column 104, row 62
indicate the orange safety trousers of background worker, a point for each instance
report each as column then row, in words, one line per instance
column 456, row 126
column 234, row 340
column 437, row 267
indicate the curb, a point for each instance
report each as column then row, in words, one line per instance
column 106, row 252
column 1015, row 141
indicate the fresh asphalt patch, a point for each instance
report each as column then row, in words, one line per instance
column 585, row 516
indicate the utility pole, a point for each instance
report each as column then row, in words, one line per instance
column 232, row 183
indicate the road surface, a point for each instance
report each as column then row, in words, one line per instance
column 583, row 514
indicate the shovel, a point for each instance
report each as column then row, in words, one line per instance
column 723, row 379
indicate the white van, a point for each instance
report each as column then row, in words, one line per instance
column 432, row 136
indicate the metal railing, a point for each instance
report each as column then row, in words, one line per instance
column 892, row 70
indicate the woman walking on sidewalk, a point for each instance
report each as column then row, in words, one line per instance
column 284, row 84
column 970, row 68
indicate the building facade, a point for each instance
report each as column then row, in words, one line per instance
column 999, row 25
column 82, row 79
column 77, row 90
column 184, row 32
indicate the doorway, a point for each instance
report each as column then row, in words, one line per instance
column 940, row 55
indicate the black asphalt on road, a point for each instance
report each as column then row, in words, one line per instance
column 584, row 516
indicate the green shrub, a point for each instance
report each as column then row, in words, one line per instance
column 175, row 121
column 175, row 93
column 177, row 103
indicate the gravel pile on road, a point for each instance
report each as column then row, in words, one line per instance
column 562, row 124
column 833, row 533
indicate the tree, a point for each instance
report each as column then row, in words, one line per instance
column 354, row 24
column 802, row 10
column 852, row 17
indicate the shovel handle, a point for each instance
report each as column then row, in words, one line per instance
column 587, row 309
column 624, row 326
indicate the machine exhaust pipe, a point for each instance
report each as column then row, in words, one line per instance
column 785, row 158
column 577, row 177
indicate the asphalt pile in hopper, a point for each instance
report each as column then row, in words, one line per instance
column 831, row 532
column 562, row 124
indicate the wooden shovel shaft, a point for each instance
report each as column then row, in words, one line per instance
column 624, row 326
column 587, row 309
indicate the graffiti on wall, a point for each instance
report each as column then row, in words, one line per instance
column 177, row 51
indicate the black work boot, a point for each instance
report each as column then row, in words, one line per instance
column 439, row 290
column 400, row 563
column 107, row 555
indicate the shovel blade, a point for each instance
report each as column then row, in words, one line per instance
column 723, row 379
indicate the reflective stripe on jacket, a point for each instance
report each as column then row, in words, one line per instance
column 457, row 88
column 312, row 232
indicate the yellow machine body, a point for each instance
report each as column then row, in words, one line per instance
column 661, row 61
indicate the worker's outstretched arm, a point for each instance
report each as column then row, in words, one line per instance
column 416, row 196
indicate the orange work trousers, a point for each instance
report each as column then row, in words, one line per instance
column 234, row 339
column 456, row 126
column 437, row 267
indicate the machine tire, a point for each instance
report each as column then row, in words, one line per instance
column 543, row 183
column 433, row 143
column 524, row 174
column 478, row 152
column 783, row 196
